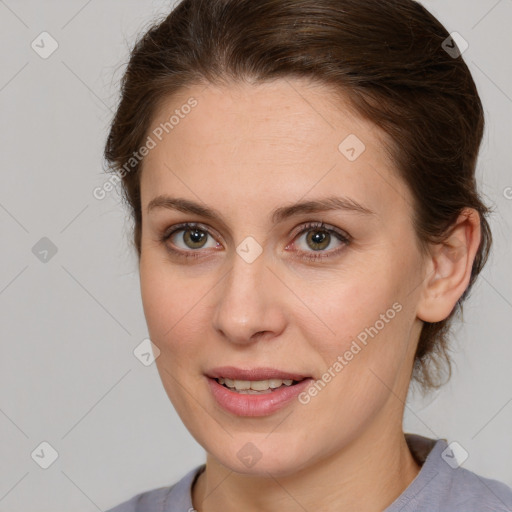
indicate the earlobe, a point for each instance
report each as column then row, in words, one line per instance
column 451, row 262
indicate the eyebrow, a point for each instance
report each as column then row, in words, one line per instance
column 277, row 215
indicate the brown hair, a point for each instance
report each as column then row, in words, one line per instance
column 389, row 61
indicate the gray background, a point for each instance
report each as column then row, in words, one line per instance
column 70, row 324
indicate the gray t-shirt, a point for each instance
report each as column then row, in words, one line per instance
column 440, row 486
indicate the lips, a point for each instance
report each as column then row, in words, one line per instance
column 253, row 374
column 254, row 404
column 259, row 404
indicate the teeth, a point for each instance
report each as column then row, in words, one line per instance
column 242, row 384
column 257, row 385
column 254, row 385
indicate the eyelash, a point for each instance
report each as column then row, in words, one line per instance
column 310, row 226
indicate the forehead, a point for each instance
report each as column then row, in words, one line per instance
column 283, row 139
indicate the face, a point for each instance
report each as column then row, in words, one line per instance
column 300, row 259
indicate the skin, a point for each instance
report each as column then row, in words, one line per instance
column 245, row 150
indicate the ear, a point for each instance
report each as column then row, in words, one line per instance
column 449, row 268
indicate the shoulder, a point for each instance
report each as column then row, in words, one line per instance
column 442, row 485
column 463, row 489
column 152, row 500
column 174, row 497
column 471, row 491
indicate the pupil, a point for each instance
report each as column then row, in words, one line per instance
column 196, row 235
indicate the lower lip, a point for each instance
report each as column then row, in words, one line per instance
column 263, row 404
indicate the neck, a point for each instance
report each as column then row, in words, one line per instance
column 368, row 474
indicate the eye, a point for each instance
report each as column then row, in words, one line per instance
column 318, row 239
column 188, row 238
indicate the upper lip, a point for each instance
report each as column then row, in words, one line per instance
column 262, row 373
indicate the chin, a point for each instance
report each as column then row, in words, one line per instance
column 261, row 457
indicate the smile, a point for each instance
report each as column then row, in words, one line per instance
column 255, row 386
column 255, row 402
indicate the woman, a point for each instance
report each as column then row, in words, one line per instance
column 301, row 179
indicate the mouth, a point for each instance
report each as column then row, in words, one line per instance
column 256, row 387
column 256, row 391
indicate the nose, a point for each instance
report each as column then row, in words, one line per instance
column 249, row 303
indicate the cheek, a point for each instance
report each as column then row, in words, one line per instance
column 365, row 320
column 160, row 298
column 346, row 305
column 173, row 305
column 157, row 303
column 362, row 362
